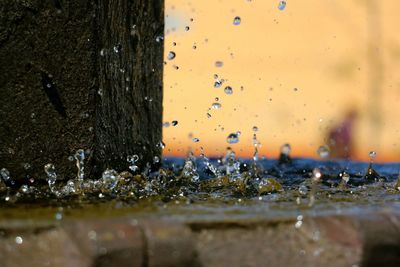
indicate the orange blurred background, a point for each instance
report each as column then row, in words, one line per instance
column 300, row 69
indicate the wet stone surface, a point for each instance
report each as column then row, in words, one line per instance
column 206, row 212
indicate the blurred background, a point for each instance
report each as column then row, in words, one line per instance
column 310, row 73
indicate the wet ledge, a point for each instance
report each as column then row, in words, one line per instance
column 370, row 239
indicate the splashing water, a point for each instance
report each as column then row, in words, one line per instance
column 80, row 157
column 297, row 181
column 315, row 179
column 231, row 164
column 5, row 175
column 132, row 163
column 189, row 170
column 109, row 179
column 50, row 170
column 256, row 145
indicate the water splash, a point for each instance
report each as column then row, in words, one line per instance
column 5, row 175
column 397, row 185
column 50, row 170
column 109, row 180
column 315, row 179
column 231, row 164
column 256, row 145
column 189, row 171
column 132, row 163
column 80, row 157
column 210, row 167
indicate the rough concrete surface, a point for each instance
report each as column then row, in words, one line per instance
column 369, row 240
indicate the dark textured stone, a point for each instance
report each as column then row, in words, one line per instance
column 50, row 74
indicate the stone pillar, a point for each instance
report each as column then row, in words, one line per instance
column 79, row 74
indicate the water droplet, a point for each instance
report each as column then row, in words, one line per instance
column 345, row 177
column 232, row 138
column 80, row 157
column 58, row 216
column 237, row 21
column 187, row 28
column 316, row 175
column 132, row 160
column 255, row 129
column 196, row 140
column 282, row 5
column 303, row 190
column 161, row 145
column 149, row 99
column 217, row 84
column 5, row 174
column 228, row 90
column 84, row 115
column 323, row 152
column 51, row 174
column 171, row 55
column 166, row 124
column 24, row 188
column 216, row 106
column 156, row 159
column 133, row 30
column 219, row 64
column 117, row 48
column 69, row 188
column 372, row 154
column 285, row 149
column 102, row 52
column 174, row 123
column 19, row 240
column 109, row 179
column 159, row 39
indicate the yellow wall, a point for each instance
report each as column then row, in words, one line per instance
column 329, row 50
